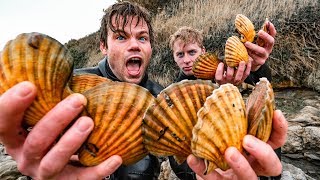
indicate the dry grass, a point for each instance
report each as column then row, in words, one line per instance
column 295, row 55
column 215, row 18
column 219, row 14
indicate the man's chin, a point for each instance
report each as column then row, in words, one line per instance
column 188, row 73
column 134, row 80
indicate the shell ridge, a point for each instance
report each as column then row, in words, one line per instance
column 40, row 70
column 134, row 117
column 119, row 116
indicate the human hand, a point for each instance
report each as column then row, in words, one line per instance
column 37, row 153
column 258, row 54
column 232, row 75
column 261, row 161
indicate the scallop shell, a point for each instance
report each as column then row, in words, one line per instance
column 168, row 123
column 235, row 52
column 205, row 66
column 117, row 109
column 245, row 28
column 265, row 28
column 221, row 123
column 260, row 107
column 83, row 82
column 41, row 60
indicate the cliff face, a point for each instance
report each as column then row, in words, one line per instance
column 302, row 147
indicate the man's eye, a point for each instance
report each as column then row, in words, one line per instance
column 143, row 39
column 192, row 53
column 180, row 55
column 120, row 38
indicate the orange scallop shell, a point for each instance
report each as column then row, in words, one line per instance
column 41, row 60
column 117, row 109
column 205, row 66
column 235, row 52
column 245, row 28
column 168, row 123
column 260, row 107
column 221, row 123
column 83, row 82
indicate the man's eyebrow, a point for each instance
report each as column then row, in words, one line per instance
column 144, row 32
column 119, row 31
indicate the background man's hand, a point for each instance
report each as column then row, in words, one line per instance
column 259, row 55
column 232, row 75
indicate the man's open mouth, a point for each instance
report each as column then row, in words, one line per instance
column 133, row 66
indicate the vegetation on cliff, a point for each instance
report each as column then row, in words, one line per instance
column 294, row 60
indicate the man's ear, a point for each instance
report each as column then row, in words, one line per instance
column 203, row 50
column 103, row 48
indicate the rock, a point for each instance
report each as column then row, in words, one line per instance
column 313, row 79
column 302, row 146
column 291, row 172
column 8, row 168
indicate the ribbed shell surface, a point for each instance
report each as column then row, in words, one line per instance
column 235, row 52
column 260, row 107
column 205, row 66
column 117, row 109
column 168, row 123
column 83, row 82
column 41, row 60
column 221, row 123
column 245, row 28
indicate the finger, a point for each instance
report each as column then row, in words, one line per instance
column 239, row 164
column 268, row 39
column 272, row 30
column 256, row 51
column 219, row 73
column 198, row 166
column 102, row 170
column 229, row 74
column 247, row 71
column 46, row 131
column 68, row 144
column 279, row 130
column 13, row 103
column 257, row 61
column 239, row 73
column 267, row 162
column 99, row 171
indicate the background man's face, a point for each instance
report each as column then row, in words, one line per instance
column 185, row 54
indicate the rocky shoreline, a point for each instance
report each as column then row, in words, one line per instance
column 300, row 154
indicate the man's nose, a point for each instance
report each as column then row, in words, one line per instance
column 186, row 59
column 134, row 45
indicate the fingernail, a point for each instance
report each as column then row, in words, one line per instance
column 82, row 125
column 24, row 89
column 76, row 100
column 234, row 155
column 250, row 142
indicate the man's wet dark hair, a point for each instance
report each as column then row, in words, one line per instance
column 127, row 11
